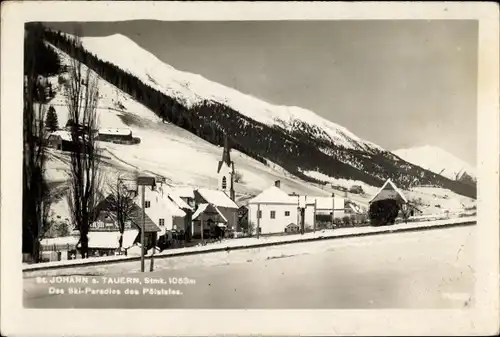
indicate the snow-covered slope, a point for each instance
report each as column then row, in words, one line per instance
column 165, row 150
column 191, row 89
column 438, row 161
column 176, row 154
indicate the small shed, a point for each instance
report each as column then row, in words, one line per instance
column 60, row 140
column 386, row 204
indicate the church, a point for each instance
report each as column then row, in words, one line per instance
column 216, row 210
column 225, row 171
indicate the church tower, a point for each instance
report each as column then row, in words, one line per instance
column 225, row 171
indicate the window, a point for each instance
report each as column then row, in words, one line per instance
column 162, row 222
column 259, row 214
column 147, row 204
column 287, row 213
column 273, row 214
column 224, row 183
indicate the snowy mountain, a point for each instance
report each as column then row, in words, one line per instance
column 165, row 150
column 192, row 89
column 438, row 161
column 188, row 109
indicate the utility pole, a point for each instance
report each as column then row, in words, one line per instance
column 258, row 220
column 303, row 215
column 143, row 226
column 152, row 264
column 333, row 210
column 201, row 226
column 314, row 220
column 144, row 181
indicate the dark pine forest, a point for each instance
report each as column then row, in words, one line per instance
column 298, row 150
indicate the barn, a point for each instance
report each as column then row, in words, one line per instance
column 60, row 140
column 115, row 135
column 386, row 204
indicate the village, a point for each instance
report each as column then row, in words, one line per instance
column 184, row 216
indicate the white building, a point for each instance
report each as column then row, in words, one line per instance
column 275, row 211
column 165, row 209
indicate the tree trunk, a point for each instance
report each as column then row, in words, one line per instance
column 84, row 246
column 120, row 241
column 36, row 251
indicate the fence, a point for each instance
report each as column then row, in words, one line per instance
column 57, row 247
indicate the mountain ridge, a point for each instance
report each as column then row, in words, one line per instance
column 297, row 146
column 437, row 160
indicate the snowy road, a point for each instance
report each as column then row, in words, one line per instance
column 430, row 269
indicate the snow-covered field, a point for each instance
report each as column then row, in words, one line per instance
column 430, row 200
column 418, row 270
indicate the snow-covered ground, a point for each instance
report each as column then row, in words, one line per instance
column 419, row 270
column 430, row 200
column 78, row 266
column 437, row 160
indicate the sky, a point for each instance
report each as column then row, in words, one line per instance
column 396, row 83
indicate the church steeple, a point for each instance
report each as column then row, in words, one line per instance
column 225, row 170
column 226, row 155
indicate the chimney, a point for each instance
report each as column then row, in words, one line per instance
column 277, row 183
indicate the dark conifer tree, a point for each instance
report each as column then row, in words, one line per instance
column 51, row 121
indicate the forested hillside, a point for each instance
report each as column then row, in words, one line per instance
column 303, row 149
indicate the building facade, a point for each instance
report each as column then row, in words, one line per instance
column 275, row 211
column 214, row 208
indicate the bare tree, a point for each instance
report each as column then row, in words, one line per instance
column 36, row 201
column 121, row 202
column 82, row 97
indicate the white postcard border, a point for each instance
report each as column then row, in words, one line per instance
column 483, row 319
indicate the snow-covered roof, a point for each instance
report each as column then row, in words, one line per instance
column 355, row 208
column 97, row 239
column 326, row 203
column 274, row 194
column 389, row 191
column 111, row 239
column 62, row 240
column 64, row 135
column 173, row 208
column 184, row 192
column 179, row 202
column 217, row 198
column 203, row 207
column 115, row 131
column 168, row 193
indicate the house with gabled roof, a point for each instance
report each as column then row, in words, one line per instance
column 389, row 191
column 276, row 211
column 106, row 222
column 214, row 208
column 386, row 204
